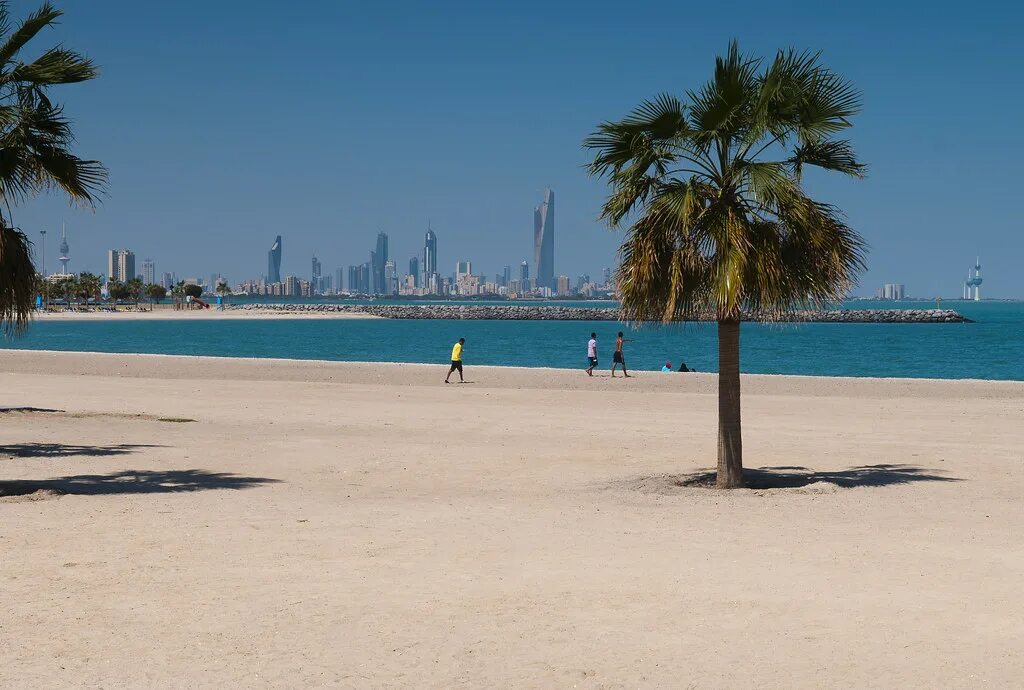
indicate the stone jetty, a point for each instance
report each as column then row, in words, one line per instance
column 516, row 312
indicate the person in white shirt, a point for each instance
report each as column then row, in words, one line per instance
column 592, row 353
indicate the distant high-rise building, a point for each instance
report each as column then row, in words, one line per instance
column 148, row 272
column 167, row 280
column 390, row 278
column 120, row 265
column 430, row 253
column 506, row 276
column 562, row 285
column 893, row 291
column 316, row 274
column 274, row 262
column 524, row 272
column 463, row 268
column 544, row 240
column 607, row 275
column 378, row 259
column 339, row 284
column 291, row 286
column 64, row 257
column 414, row 271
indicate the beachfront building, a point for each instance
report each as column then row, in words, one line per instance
column 891, row 291
column 120, row 265
column 544, row 240
column 274, row 262
column 148, row 272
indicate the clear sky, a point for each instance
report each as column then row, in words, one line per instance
column 225, row 124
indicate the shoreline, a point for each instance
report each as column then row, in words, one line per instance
column 134, row 365
column 193, row 315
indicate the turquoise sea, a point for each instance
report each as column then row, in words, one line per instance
column 991, row 348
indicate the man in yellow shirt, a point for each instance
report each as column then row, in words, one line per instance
column 456, row 361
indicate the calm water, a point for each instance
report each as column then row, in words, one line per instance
column 992, row 348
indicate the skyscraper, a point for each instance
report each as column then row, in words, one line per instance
column 274, row 262
column 148, row 272
column 339, row 284
column 390, row 278
column 120, row 265
column 524, row 272
column 463, row 268
column 316, row 275
column 544, row 240
column 414, row 271
column 506, row 276
column 64, row 258
column 430, row 253
column 125, row 265
column 378, row 260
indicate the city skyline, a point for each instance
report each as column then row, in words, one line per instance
column 474, row 185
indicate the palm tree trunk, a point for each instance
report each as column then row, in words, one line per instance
column 730, row 441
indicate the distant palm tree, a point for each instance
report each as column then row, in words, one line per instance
column 135, row 289
column 155, row 292
column 719, row 222
column 91, row 287
column 35, row 149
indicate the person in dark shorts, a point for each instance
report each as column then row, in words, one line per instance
column 456, row 361
column 618, row 357
column 592, row 353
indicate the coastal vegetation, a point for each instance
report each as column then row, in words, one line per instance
column 709, row 189
column 35, row 148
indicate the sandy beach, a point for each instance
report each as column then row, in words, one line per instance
column 202, row 522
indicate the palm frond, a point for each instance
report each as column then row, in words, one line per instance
column 45, row 16
column 17, row 280
column 836, row 155
column 55, row 66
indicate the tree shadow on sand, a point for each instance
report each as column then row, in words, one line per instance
column 65, row 450
column 134, row 482
column 795, row 477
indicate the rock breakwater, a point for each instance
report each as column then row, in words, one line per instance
column 515, row 312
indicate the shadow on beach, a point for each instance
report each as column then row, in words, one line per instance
column 795, row 477
column 133, row 482
column 65, row 450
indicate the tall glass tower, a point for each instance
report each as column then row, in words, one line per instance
column 430, row 253
column 544, row 240
column 274, row 262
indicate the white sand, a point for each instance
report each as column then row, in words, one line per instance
column 522, row 530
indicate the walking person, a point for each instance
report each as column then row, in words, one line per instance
column 592, row 353
column 456, row 361
column 617, row 357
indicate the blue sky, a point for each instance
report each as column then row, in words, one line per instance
column 224, row 124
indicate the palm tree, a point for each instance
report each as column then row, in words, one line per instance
column 178, row 293
column 224, row 290
column 134, row 287
column 155, row 293
column 91, row 287
column 719, row 224
column 35, row 148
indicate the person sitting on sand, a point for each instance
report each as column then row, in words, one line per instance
column 618, row 358
column 684, row 368
column 667, row 367
column 456, row 361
